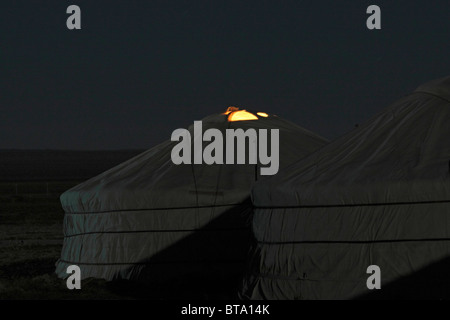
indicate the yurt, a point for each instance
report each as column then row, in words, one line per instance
column 152, row 220
column 366, row 216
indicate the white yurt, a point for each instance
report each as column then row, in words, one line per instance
column 149, row 219
column 366, row 216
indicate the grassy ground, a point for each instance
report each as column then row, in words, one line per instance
column 31, row 241
column 31, row 225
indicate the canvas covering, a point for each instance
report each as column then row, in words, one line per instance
column 150, row 219
column 379, row 195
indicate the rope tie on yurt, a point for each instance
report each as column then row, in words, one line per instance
column 196, row 193
column 216, row 192
column 195, row 184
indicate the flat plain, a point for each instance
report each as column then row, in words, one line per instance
column 31, row 220
column 31, row 224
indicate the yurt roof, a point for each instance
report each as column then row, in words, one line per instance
column 152, row 180
column 401, row 155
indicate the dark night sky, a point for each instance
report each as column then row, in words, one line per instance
column 140, row 69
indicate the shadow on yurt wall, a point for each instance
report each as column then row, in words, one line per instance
column 184, row 225
column 208, row 263
column 376, row 197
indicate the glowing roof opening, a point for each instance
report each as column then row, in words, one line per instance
column 241, row 115
column 234, row 114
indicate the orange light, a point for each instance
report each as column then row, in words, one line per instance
column 241, row 115
column 231, row 109
column 262, row 114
